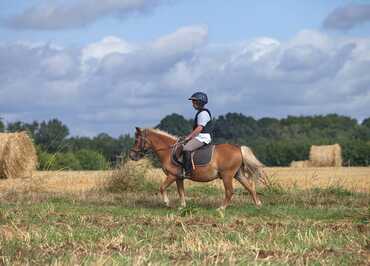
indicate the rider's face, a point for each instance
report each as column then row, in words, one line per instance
column 195, row 104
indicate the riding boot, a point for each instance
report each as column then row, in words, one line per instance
column 187, row 163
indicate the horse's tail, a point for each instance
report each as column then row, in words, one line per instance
column 252, row 167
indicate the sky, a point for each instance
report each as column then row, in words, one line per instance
column 109, row 66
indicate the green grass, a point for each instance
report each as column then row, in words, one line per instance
column 313, row 227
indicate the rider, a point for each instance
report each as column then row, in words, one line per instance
column 201, row 134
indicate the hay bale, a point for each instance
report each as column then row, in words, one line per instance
column 326, row 155
column 300, row 164
column 18, row 156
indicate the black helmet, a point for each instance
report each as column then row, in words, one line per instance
column 199, row 96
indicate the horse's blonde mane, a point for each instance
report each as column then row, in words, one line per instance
column 163, row 133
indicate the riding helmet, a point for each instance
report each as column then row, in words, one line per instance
column 199, row 96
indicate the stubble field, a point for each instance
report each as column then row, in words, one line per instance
column 310, row 216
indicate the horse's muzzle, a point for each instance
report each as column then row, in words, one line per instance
column 134, row 155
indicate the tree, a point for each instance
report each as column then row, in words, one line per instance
column 107, row 146
column 2, row 126
column 269, row 127
column 51, row 135
column 366, row 122
column 79, row 143
column 30, row 128
column 356, row 153
column 125, row 143
column 175, row 124
column 234, row 127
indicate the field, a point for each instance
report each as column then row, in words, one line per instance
column 310, row 216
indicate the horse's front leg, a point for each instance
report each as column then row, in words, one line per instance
column 181, row 191
column 166, row 183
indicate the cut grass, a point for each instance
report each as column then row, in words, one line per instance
column 317, row 226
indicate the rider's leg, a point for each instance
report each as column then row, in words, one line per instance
column 192, row 145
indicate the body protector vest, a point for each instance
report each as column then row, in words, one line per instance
column 208, row 128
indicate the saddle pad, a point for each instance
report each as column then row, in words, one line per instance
column 203, row 155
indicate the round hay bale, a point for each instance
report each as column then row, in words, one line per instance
column 326, row 155
column 18, row 156
column 3, row 141
column 300, row 164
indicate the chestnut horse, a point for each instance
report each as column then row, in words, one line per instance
column 228, row 162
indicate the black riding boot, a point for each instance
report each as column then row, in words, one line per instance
column 187, row 163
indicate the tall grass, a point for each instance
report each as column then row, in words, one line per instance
column 130, row 176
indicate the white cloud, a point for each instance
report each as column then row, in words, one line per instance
column 180, row 76
column 312, row 73
column 108, row 45
column 183, row 40
column 260, row 48
column 93, row 53
column 311, row 38
column 58, row 66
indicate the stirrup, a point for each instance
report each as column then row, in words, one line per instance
column 185, row 175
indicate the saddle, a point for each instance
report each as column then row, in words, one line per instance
column 199, row 157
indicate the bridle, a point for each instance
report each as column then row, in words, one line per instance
column 143, row 151
column 143, row 140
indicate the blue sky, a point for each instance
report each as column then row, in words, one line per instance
column 228, row 21
column 108, row 66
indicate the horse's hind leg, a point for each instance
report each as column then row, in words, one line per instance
column 180, row 190
column 227, row 178
column 250, row 186
column 166, row 183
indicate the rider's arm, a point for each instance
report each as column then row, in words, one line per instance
column 194, row 133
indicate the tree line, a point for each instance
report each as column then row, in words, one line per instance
column 276, row 142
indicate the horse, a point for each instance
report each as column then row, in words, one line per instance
column 228, row 162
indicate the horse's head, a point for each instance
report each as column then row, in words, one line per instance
column 141, row 146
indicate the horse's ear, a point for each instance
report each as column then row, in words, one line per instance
column 138, row 130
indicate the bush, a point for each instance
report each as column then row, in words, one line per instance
column 45, row 159
column 130, row 176
column 58, row 161
column 91, row 160
column 65, row 161
column 80, row 160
